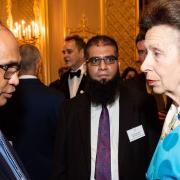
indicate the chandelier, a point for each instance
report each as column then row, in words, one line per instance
column 26, row 33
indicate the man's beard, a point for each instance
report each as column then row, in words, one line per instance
column 103, row 92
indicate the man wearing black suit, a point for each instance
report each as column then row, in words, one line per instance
column 36, row 110
column 104, row 128
column 10, row 166
column 72, row 82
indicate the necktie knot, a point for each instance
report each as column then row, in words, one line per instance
column 77, row 73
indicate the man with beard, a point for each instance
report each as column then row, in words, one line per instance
column 103, row 134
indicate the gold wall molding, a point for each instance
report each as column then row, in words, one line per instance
column 64, row 4
column 41, row 15
column 102, row 16
column 9, row 14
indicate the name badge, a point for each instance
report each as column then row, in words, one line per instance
column 135, row 133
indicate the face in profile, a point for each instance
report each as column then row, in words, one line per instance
column 106, row 69
column 9, row 55
column 162, row 63
column 72, row 55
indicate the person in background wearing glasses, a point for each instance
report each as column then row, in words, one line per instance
column 103, row 133
column 10, row 166
column 73, row 81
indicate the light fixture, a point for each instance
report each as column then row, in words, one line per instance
column 26, row 33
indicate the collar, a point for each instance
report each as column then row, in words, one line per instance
column 82, row 68
column 27, row 77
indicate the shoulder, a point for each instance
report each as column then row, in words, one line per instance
column 76, row 104
column 53, row 93
column 54, row 83
column 65, row 75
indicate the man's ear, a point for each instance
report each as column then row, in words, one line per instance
column 119, row 62
column 82, row 53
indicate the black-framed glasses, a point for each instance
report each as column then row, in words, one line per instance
column 95, row 61
column 10, row 69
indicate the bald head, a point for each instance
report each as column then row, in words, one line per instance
column 9, row 58
column 8, row 44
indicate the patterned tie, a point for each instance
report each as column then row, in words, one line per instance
column 103, row 156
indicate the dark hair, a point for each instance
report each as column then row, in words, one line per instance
column 140, row 36
column 126, row 71
column 30, row 55
column 78, row 40
column 161, row 12
column 101, row 40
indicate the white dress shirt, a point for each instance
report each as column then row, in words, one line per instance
column 27, row 77
column 114, row 136
column 75, row 81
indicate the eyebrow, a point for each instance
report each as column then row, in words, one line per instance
column 12, row 62
column 155, row 47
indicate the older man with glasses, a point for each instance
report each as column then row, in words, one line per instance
column 10, row 166
column 103, row 133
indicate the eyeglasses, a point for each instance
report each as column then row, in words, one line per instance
column 95, row 61
column 10, row 69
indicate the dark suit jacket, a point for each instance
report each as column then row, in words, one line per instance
column 73, row 149
column 137, row 85
column 5, row 170
column 62, row 84
column 34, row 116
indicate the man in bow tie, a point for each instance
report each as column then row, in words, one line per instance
column 72, row 82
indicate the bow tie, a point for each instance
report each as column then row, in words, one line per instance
column 77, row 73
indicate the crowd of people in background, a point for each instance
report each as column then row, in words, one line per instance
column 94, row 122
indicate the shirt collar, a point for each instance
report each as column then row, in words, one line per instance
column 27, row 77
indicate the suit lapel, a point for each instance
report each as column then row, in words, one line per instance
column 5, row 171
column 4, row 166
column 82, row 85
column 124, row 119
column 66, row 85
column 85, row 132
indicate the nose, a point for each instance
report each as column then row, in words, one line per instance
column 102, row 65
column 65, row 54
column 146, row 64
column 14, row 79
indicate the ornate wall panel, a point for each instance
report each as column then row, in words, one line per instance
column 3, row 11
column 121, row 17
column 83, row 17
column 24, row 9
